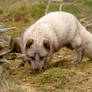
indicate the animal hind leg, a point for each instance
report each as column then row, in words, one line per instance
column 80, row 54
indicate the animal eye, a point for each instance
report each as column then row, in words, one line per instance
column 33, row 58
column 29, row 43
column 46, row 44
column 42, row 57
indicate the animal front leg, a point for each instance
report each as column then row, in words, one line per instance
column 80, row 55
column 21, row 64
column 24, row 60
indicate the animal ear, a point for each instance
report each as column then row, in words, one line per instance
column 46, row 44
column 29, row 43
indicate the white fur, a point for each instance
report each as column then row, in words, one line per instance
column 60, row 28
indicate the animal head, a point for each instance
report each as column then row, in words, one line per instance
column 38, row 45
column 39, row 53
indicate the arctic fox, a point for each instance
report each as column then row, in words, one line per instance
column 52, row 32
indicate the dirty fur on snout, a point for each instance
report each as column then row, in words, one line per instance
column 52, row 32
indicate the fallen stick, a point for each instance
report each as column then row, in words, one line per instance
column 6, row 29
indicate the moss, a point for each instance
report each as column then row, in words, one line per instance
column 1, row 11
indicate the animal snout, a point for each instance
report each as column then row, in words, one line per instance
column 32, row 57
column 39, row 69
column 43, row 68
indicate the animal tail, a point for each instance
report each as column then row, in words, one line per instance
column 61, row 6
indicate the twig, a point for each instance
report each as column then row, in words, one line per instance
column 66, row 3
column 6, row 29
column 46, row 11
column 4, row 52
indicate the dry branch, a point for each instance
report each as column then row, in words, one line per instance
column 46, row 11
column 6, row 29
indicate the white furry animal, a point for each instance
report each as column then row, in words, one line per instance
column 52, row 32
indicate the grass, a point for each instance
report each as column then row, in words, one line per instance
column 61, row 75
column 8, row 84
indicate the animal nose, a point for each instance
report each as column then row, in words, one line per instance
column 43, row 68
column 37, row 70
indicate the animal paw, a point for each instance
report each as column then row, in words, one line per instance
column 76, row 62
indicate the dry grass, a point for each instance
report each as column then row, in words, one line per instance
column 61, row 75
